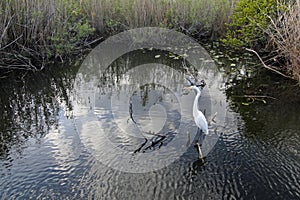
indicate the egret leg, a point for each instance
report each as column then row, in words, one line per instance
column 199, row 142
column 188, row 138
column 201, row 136
column 200, row 155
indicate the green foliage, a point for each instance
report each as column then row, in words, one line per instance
column 248, row 22
column 73, row 30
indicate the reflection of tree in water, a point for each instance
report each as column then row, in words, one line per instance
column 268, row 103
column 116, row 72
column 148, row 96
column 29, row 105
column 115, row 79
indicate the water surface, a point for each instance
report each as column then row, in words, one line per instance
column 44, row 155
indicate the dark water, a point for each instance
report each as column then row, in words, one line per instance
column 44, row 155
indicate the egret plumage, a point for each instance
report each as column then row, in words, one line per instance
column 199, row 118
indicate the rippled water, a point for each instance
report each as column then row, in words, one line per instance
column 44, row 155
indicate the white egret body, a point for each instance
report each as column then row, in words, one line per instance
column 199, row 117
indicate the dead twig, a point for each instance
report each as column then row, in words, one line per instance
column 266, row 66
column 9, row 44
column 93, row 42
column 212, row 119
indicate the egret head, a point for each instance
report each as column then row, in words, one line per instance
column 196, row 87
column 202, row 84
column 193, row 87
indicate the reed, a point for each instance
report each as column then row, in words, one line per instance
column 188, row 15
column 36, row 31
column 284, row 33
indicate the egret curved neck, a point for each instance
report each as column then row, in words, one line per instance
column 195, row 107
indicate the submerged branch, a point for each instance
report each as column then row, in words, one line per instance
column 154, row 143
column 254, row 96
column 142, row 145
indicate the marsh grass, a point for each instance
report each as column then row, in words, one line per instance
column 284, row 33
column 207, row 17
column 32, row 32
column 35, row 31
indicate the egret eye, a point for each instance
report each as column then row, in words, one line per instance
column 201, row 84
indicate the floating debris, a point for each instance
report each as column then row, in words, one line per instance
column 208, row 61
column 157, row 56
column 185, row 55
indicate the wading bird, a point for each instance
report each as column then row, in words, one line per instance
column 199, row 117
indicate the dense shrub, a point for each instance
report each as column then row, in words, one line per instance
column 248, row 22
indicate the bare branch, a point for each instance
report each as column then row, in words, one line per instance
column 266, row 66
column 11, row 43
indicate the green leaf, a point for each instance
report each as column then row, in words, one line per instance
column 245, row 104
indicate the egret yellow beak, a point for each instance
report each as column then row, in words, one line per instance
column 187, row 87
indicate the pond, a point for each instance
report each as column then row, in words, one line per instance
column 48, row 149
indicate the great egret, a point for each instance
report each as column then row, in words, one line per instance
column 199, row 118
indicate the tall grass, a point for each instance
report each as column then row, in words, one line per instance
column 189, row 15
column 24, row 24
column 53, row 29
column 35, row 31
column 284, row 34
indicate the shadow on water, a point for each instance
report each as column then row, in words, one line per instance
column 256, row 157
